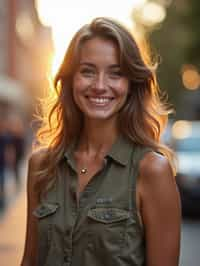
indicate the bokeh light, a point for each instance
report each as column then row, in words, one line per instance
column 181, row 129
column 190, row 77
column 24, row 27
column 152, row 13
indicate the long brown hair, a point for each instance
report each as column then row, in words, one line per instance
column 141, row 120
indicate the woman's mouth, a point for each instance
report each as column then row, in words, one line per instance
column 100, row 101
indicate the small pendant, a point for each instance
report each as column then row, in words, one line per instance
column 83, row 171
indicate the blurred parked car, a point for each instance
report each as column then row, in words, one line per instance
column 186, row 143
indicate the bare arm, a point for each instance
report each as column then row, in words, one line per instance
column 160, row 211
column 30, row 250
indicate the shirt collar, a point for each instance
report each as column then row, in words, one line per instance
column 120, row 151
column 70, row 150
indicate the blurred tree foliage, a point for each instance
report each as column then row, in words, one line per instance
column 177, row 41
column 192, row 25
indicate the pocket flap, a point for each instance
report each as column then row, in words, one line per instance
column 108, row 215
column 45, row 209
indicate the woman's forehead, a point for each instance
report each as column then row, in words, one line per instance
column 99, row 49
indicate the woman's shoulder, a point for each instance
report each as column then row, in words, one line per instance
column 155, row 172
column 36, row 159
column 37, row 156
column 154, row 163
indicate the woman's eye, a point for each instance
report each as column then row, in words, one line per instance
column 87, row 72
column 116, row 74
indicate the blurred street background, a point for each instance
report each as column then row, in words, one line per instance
column 34, row 35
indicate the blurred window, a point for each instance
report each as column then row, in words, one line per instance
column 188, row 144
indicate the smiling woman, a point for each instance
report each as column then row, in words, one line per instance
column 101, row 189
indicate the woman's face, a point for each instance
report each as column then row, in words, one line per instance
column 99, row 87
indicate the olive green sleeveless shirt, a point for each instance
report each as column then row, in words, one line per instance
column 103, row 228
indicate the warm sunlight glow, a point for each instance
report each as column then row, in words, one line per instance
column 65, row 18
column 46, row 11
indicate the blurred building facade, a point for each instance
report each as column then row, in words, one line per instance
column 25, row 49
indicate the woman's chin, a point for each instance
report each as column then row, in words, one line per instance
column 98, row 117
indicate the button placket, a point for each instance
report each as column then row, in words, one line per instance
column 68, row 246
column 92, row 186
column 72, row 200
column 77, row 207
column 84, row 196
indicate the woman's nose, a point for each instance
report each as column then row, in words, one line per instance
column 100, row 82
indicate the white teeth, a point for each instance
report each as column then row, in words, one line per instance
column 99, row 100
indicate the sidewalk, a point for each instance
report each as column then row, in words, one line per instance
column 12, row 230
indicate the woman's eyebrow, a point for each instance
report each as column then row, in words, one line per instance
column 93, row 65
column 87, row 64
column 115, row 66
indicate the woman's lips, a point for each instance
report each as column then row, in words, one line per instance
column 100, row 101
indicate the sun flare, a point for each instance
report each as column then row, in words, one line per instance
column 65, row 18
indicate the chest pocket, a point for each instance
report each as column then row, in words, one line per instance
column 45, row 209
column 107, row 228
column 108, row 215
column 46, row 214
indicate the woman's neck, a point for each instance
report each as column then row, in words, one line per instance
column 97, row 137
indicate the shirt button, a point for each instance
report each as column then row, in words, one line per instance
column 90, row 246
column 107, row 216
column 65, row 258
column 67, row 232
